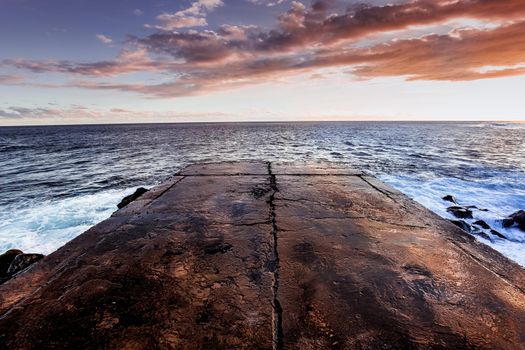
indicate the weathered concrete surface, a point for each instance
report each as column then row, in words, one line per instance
column 258, row 256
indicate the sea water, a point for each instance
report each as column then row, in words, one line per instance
column 57, row 181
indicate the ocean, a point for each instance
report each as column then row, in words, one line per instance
column 57, row 181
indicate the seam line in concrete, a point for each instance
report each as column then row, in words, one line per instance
column 258, row 174
column 162, row 193
column 386, row 193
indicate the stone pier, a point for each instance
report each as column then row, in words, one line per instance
column 258, row 255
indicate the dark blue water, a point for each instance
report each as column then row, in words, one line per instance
column 57, row 181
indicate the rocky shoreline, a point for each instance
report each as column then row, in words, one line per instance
column 477, row 227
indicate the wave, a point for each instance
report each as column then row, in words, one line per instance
column 44, row 227
column 500, row 199
column 499, row 125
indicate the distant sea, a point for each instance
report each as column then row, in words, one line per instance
column 57, row 181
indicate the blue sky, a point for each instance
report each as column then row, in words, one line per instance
column 82, row 61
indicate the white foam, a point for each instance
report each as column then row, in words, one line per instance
column 500, row 198
column 44, row 227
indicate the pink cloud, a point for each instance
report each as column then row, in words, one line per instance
column 11, row 79
column 306, row 39
column 193, row 16
column 104, row 39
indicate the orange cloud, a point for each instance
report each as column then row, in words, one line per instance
column 460, row 55
column 11, row 79
column 306, row 39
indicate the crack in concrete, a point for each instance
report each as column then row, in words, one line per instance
column 302, row 200
column 235, row 224
column 277, row 316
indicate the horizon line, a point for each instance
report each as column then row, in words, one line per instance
column 522, row 121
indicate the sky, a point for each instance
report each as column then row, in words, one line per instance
column 119, row 61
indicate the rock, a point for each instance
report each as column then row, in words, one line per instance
column 6, row 259
column 217, row 248
column 462, row 225
column 23, row 261
column 517, row 218
column 482, row 234
column 460, row 212
column 475, row 207
column 128, row 199
column 472, row 230
column 450, row 198
column 496, row 233
column 482, row 224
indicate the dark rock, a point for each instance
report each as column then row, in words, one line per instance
column 475, row 207
column 478, row 232
column 259, row 192
column 128, row 199
column 217, row 248
column 460, row 212
column 462, row 225
column 417, row 270
column 482, row 224
column 496, row 233
column 450, row 198
column 470, row 229
column 23, row 261
column 6, row 259
column 482, row 234
column 517, row 218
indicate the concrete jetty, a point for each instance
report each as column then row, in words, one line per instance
column 256, row 255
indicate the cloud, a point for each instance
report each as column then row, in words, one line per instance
column 104, row 39
column 193, row 16
column 458, row 56
column 131, row 60
column 300, row 29
column 306, row 39
column 138, row 12
column 268, row 3
column 15, row 112
column 11, row 79
column 75, row 114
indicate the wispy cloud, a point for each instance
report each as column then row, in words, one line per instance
column 11, row 79
column 193, row 16
column 132, row 59
column 268, row 3
column 104, row 39
column 82, row 114
column 16, row 112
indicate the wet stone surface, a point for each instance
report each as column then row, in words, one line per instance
column 268, row 256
